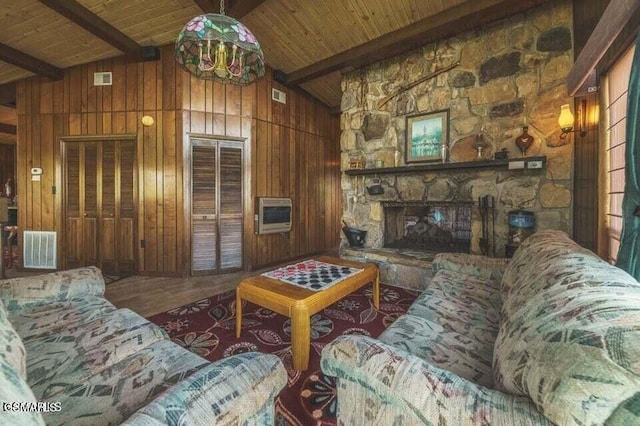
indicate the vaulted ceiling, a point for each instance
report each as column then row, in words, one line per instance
column 311, row 41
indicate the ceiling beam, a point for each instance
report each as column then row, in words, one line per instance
column 8, row 94
column 207, row 6
column 91, row 22
column 448, row 23
column 614, row 19
column 236, row 9
column 21, row 60
column 8, row 128
column 241, row 8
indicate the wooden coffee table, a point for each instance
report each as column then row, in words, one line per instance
column 300, row 304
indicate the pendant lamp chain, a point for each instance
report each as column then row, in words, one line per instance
column 221, row 7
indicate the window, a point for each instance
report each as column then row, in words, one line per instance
column 616, row 88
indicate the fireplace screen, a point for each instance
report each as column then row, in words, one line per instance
column 428, row 226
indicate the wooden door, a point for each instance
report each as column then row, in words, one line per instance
column 117, row 209
column 99, row 205
column 230, row 205
column 81, row 206
column 216, row 208
column 204, row 228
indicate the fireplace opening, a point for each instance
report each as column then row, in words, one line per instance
column 428, row 226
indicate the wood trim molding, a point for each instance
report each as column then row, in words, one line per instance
column 22, row 60
column 91, row 22
column 216, row 137
column 94, row 138
column 440, row 26
column 614, row 19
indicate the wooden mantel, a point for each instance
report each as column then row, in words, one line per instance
column 501, row 164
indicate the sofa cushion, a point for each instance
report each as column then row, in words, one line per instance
column 77, row 353
column 53, row 317
column 460, row 302
column 209, row 394
column 570, row 331
column 452, row 325
column 123, row 388
column 26, row 292
column 471, row 264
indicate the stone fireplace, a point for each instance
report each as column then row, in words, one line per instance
column 427, row 226
column 511, row 73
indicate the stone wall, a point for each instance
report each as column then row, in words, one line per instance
column 511, row 73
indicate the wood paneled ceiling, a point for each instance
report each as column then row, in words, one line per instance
column 299, row 37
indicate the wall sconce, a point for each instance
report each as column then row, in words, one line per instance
column 566, row 120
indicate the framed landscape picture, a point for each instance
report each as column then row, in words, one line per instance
column 426, row 134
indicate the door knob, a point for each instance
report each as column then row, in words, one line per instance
column 86, row 214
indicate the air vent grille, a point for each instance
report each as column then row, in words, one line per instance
column 102, row 79
column 39, row 250
column 278, row 96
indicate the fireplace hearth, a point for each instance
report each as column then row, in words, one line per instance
column 431, row 226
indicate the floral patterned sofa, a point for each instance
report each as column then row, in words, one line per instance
column 553, row 337
column 64, row 344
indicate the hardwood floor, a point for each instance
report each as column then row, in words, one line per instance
column 152, row 295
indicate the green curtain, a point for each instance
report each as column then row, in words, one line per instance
column 629, row 253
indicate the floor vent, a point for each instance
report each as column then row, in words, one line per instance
column 39, row 250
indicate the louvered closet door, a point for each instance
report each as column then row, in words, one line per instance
column 108, row 232
column 90, row 214
column 81, row 204
column 126, row 207
column 216, row 210
column 116, row 232
column 73, row 205
column 204, row 230
column 230, row 206
column 99, row 206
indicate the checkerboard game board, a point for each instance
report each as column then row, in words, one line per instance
column 312, row 275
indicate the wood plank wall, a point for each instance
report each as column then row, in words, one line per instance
column 586, row 203
column 7, row 165
column 294, row 151
column 181, row 105
column 48, row 111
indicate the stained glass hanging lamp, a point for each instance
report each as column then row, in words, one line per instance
column 217, row 47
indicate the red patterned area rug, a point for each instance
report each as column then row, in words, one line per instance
column 207, row 327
